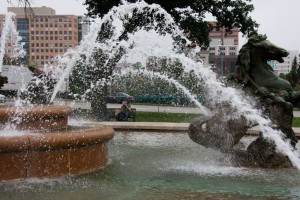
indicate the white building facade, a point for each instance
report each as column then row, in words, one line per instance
column 286, row 66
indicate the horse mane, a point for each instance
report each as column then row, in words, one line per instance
column 243, row 60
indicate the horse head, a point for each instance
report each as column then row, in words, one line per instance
column 254, row 69
column 267, row 50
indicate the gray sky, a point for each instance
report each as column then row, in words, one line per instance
column 278, row 19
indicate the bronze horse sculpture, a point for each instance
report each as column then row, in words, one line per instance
column 274, row 96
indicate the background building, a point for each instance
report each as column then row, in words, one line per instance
column 286, row 66
column 223, row 50
column 46, row 34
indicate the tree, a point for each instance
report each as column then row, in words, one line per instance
column 228, row 14
column 292, row 76
column 26, row 4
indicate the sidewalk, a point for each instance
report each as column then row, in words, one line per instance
column 162, row 126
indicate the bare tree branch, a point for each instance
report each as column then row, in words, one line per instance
column 27, row 6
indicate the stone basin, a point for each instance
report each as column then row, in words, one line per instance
column 52, row 153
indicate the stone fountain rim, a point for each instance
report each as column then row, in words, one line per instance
column 56, row 140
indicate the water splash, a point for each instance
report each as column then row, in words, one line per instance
column 10, row 36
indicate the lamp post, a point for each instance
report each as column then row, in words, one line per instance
column 221, row 56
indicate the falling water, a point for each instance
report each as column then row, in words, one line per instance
column 10, row 35
column 144, row 43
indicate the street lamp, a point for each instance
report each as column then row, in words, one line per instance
column 221, row 56
column 89, row 22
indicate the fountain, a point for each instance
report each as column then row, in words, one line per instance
column 155, row 165
column 36, row 140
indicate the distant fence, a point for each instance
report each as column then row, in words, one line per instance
column 165, row 99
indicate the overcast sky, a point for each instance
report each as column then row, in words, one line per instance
column 278, row 19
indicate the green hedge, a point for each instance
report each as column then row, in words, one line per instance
column 164, row 99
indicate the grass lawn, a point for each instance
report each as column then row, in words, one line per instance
column 154, row 117
column 172, row 117
column 296, row 122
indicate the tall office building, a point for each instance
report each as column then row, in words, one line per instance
column 223, row 50
column 45, row 34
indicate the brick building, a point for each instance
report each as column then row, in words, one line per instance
column 223, row 50
column 46, row 34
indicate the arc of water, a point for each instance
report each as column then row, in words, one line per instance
column 221, row 94
column 110, row 45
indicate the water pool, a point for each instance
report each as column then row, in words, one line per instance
column 160, row 165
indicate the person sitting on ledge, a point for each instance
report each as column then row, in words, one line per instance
column 125, row 111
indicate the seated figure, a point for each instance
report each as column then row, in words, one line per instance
column 125, row 111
